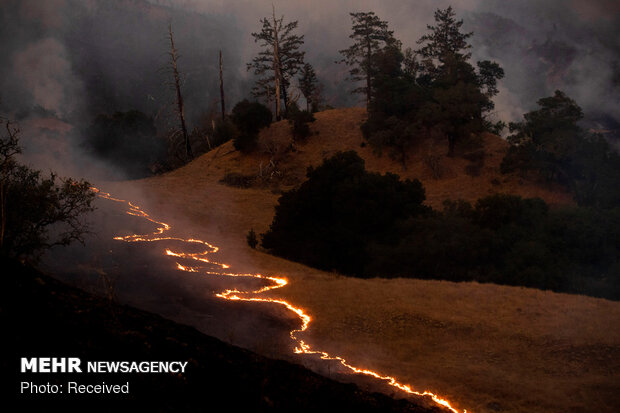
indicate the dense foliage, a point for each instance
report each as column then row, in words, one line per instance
column 370, row 35
column 433, row 91
column 37, row 212
column 299, row 120
column 309, row 87
column 330, row 220
column 127, row 140
column 363, row 224
column 550, row 144
column 508, row 240
column 249, row 118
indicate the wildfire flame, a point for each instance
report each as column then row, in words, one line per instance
column 236, row 295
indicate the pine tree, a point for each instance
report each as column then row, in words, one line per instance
column 278, row 61
column 445, row 42
column 460, row 95
column 308, row 85
column 370, row 34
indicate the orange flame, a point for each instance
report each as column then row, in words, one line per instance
column 236, row 295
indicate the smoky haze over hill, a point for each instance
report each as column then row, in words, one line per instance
column 71, row 60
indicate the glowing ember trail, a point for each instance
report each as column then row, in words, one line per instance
column 236, row 295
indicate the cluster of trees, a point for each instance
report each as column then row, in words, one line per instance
column 505, row 239
column 141, row 145
column 36, row 212
column 364, row 224
column 431, row 91
column 550, row 145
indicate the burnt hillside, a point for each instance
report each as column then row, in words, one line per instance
column 45, row 317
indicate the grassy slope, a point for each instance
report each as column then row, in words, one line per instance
column 487, row 347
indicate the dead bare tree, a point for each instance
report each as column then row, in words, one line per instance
column 276, row 62
column 222, row 101
column 174, row 57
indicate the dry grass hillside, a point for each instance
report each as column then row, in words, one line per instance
column 339, row 130
column 488, row 348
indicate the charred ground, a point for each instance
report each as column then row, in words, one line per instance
column 74, row 323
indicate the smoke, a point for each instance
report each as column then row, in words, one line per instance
column 45, row 72
column 70, row 60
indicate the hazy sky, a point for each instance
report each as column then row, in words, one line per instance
column 76, row 58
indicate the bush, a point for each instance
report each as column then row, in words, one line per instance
column 330, row 219
column 299, row 119
column 252, row 239
column 33, row 205
column 249, row 118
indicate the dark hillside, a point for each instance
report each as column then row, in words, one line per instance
column 45, row 318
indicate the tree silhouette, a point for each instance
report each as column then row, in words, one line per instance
column 308, row 84
column 278, row 61
column 460, row 95
column 370, row 34
column 30, row 205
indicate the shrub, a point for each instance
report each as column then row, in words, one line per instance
column 299, row 119
column 33, row 205
column 249, row 118
column 252, row 239
column 330, row 219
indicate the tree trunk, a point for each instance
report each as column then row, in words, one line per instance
column 368, row 59
column 284, row 95
column 223, row 102
column 276, row 64
column 177, row 84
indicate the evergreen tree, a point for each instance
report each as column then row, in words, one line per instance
column 370, row 35
column 445, row 43
column 278, row 61
column 308, row 86
column 550, row 143
column 395, row 101
column 460, row 95
column 547, row 138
